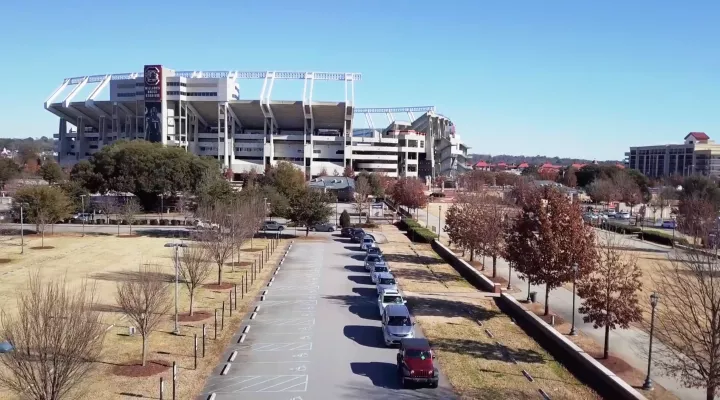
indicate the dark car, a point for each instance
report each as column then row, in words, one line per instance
column 374, row 251
column 323, row 227
column 347, row 232
column 358, row 235
column 415, row 363
column 272, row 226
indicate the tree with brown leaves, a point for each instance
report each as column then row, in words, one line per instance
column 688, row 321
column 56, row 336
column 195, row 267
column 462, row 222
column 697, row 217
column 144, row 299
column 348, row 172
column 548, row 238
column 491, row 225
column 409, row 192
column 603, row 190
column 610, row 292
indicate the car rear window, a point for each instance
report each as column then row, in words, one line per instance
column 380, row 269
column 421, row 354
column 387, row 281
column 373, row 258
column 399, row 321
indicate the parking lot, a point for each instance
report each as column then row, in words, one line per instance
column 315, row 335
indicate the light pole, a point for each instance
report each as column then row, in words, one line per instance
column 265, row 212
column 162, row 206
column 572, row 329
column 439, row 213
column 177, row 273
column 336, row 211
column 22, row 228
column 509, row 287
column 654, row 298
column 82, row 209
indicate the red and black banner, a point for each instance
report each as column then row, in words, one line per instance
column 153, row 102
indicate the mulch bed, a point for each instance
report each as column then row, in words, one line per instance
column 5, row 260
column 312, row 238
column 253, row 250
column 539, row 310
column 42, row 247
column 133, row 235
column 135, row 369
column 222, row 286
column 197, row 316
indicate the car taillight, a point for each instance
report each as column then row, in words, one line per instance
column 412, row 372
column 432, row 373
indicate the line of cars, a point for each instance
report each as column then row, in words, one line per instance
column 415, row 358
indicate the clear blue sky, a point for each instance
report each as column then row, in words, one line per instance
column 568, row 78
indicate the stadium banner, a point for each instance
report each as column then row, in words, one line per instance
column 153, row 103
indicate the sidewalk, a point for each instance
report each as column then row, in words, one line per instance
column 631, row 343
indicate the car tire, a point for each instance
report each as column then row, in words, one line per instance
column 434, row 385
column 281, row 228
column 403, row 383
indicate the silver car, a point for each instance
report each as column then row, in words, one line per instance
column 385, row 281
column 371, row 260
column 388, row 297
column 397, row 324
column 377, row 270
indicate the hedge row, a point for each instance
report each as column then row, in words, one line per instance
column 162, row 222
column 662, row 238
column 417, row 233
column 619, row 228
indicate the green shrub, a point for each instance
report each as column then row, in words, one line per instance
column 344, row 219
column 416, row 231
column 163, row 222
column 153, row 222
column 662, row 238
column 619, row 228
column 365, row 225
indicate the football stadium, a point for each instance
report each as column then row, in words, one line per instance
column 203, row 112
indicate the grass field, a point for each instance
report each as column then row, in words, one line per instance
column 456, row 318
column 106, row 260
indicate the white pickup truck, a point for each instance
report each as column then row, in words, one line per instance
column 200, row 224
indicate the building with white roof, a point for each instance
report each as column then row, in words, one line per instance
column 202, row 111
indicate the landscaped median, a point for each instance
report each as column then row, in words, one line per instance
column 107, row 260
column 484, row 354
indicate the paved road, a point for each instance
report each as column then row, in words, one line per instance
column 315, row 336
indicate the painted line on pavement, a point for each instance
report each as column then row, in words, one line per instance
column 225, row 369
column 232, row 356
column 242, row 338
column 253, row 315
column 247, row 329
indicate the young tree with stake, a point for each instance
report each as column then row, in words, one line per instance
column 56, row 336
column 144, row 300
column 45, row 205
column 610, row 292
column 128, row 211
column 218, row 243
column 363, row 190
column 195, row 268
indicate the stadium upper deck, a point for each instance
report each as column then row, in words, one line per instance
column 202, row 111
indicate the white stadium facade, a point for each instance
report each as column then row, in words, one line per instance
column 202, row 112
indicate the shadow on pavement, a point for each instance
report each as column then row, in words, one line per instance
column 358, row 257
column 353, row 248
column 369, row 336
column 642, row 250
column 441, row 393
column 381, row 374
column 355, row 268
column 488, row 351
column 163, row 233
column 360, row 279
column 365, row 311
column 369, row 294
column 362, row 306
column 425, row 306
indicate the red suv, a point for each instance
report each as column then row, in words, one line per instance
column 415, row 363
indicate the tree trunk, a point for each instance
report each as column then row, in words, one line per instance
column 144, row 349
column 118, row 227
column 130, row 229
column 547, row 299
column 219, row 274
column 472, row 254
column 710, row 392
column 606, row 350
column 42, row 237
column 307, row 230
column 494, row 258
column 192, row 297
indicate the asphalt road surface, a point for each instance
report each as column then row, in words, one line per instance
column 316, row 336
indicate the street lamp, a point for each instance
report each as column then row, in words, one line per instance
column 177, row 272
column 509, row 287
column 265, row 210
column 572, row 329
column 22, row 228
column 82, row 209
column 439, row 213
column 654, row 299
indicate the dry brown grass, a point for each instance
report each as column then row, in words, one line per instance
column 448, row 310
column 104, row 260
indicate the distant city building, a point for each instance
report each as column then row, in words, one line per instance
column 340, row 186
column 202, row 112
column 697, row 155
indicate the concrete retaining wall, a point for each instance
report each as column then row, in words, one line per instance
column 601, row 379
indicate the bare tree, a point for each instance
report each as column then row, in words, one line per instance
column 195, row 268
column 363, row 190
column 144, row 300
column 219, row 243
column 128, row 211
column 610, row 291
column 688, row 323
column 56, row 335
